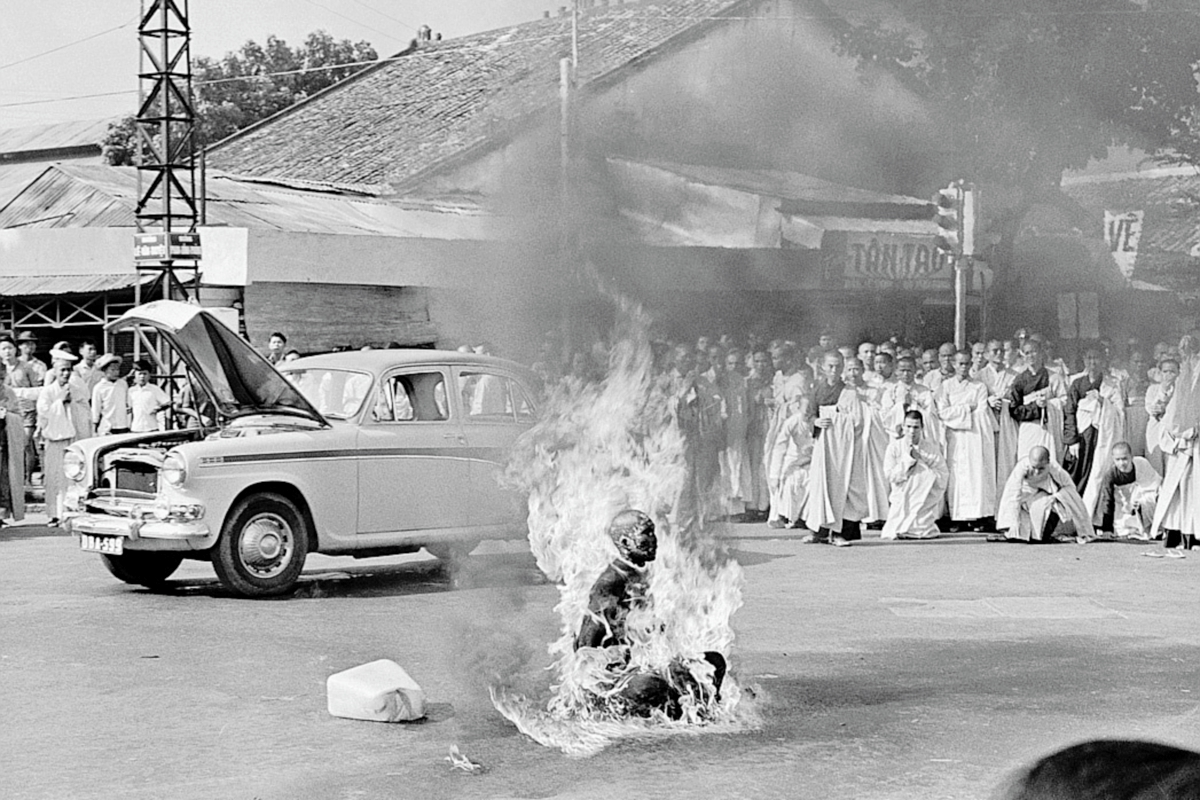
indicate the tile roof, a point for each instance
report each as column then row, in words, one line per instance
column 59, row 135
column 1169, row 196
column 82, row 196
column 406, row 117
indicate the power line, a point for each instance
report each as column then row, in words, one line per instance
column 352, row 19
column 70, row 44
column 382, row 14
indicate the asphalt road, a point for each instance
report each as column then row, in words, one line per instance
column 918, row 670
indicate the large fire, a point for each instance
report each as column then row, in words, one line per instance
column 611, row 446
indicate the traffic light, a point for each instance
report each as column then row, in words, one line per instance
column 949, row 202
column 955, row 219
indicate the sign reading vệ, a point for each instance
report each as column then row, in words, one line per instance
column 865, row 260
column 154, row 246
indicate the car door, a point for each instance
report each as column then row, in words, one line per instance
column 496, row 410
column 412, row 468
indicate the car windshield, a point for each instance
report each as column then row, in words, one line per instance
column 337, row 393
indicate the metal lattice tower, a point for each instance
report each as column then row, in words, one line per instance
column 166, row 127
column 167, row 246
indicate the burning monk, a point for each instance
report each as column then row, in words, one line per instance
column 620, row 588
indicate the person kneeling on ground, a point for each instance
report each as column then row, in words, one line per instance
column 917, row 474
column 1037, row 496
column 1127, row 495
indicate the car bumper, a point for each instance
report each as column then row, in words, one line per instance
column 133, row 529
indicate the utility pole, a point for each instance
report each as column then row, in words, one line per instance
column 166, row 245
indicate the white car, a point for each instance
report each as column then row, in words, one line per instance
column 356, row 453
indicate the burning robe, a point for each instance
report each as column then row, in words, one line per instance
column 918, row 487
column 1036, row 425
column 970, row 448
column 838, row 481
column 1094, row 418
column 1027, row 503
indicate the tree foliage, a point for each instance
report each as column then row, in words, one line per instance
column 251, row 84
column 1024, row 89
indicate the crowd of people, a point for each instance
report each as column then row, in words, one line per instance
column 1001, row 437
column 45, row 405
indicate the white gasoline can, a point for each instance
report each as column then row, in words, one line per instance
column 381, row 691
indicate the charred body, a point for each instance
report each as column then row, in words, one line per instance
column 624, row 586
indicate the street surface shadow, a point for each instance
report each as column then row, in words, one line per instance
column 21, row 532
column 359, row 579
column 753, row 558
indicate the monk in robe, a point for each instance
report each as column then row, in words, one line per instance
column 1038, row 496
column 1127, row 495
column 788, row 385
column 875, row 438
column 1034, row 405
column 909, row 394
column 760, row 396
column 945, row 360
column 788, row 471
column 736, row 482
column 1093, row 421
column 998, row 376
column 838, row 482
column 917, row 474
column 1136, row 415
column 961, row 403
column 1177, row 516
column 1158, row 397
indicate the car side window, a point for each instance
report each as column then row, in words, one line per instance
column 412, row 397
column 486, row 397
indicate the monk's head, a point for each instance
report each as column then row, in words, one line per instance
column 632, row 532
column 1094, row 361
column 853, row 371
column 1035, row 355
column 1039, row 461
column 831, row 366
column 1122, row 456
column 962, row 364
column 914, row 426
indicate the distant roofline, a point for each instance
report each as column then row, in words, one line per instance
column 506, row 132
column 1144, row 174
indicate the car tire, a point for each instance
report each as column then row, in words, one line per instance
column 141, row 568
column 262, row 547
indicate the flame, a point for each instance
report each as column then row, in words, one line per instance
column 597, row 450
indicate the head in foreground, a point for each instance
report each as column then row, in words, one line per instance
column 1110, row 769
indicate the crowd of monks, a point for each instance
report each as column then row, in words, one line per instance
column 1000, row 437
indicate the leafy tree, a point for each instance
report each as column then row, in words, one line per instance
column 251, row 84
column 1023, row 89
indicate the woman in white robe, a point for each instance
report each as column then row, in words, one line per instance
column 62, row 418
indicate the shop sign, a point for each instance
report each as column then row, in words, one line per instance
column 166, row 247
column 865, row 260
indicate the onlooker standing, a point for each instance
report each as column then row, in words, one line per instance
column 12, row 446
column 27, row 344
column 63, row 418
column 962, row 404
column 25, row 386
column 86, row 368
column 146, row 400
column 276, row 347
column 110, row 398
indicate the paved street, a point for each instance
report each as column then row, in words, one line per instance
column 915, row 670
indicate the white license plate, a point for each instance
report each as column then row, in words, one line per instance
column 112, row 545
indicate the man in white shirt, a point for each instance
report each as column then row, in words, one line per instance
column 86, row 368
column 146, row 400
column 110, row 398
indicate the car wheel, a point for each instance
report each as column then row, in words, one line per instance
column 262, row 548
column 143, row 569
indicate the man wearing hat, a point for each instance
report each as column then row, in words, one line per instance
column 20, row 378
column 27, row 344
column 110, row 398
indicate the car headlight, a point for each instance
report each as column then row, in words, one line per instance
column 74, row 465
column 174, row 469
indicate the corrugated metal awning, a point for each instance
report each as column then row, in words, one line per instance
column 30, row 285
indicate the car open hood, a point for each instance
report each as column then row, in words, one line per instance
column 234, row 375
